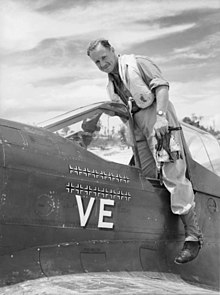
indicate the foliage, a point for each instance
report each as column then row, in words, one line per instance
column 122, row 134
column 196, row 121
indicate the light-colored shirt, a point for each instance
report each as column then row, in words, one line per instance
column 150, row 73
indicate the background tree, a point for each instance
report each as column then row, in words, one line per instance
column 195, row 120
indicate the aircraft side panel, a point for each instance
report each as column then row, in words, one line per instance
column 203, row 180
column 66, row 207
column 45, row 203
column 208, row 262
column 62, row 187
column 1, row 166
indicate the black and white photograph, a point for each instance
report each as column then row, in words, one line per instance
column 109, row 147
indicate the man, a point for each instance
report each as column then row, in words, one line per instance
column 137, row 82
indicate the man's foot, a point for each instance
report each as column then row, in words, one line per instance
column 189, row 252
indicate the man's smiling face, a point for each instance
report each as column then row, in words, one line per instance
column 105, row 58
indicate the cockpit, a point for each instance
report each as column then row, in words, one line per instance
column 102, row 128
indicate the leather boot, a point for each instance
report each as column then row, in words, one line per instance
column 189, row 252
column 193, row 238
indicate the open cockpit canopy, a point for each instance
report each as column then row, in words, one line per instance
column 204, row 148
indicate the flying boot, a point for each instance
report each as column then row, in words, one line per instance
column 193, row 238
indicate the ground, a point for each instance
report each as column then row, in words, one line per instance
column 134, row 283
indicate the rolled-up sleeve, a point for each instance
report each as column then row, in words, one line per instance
column 150, row 73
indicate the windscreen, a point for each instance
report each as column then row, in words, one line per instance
column 204, row 148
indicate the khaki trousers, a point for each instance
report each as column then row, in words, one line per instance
column 174, row 179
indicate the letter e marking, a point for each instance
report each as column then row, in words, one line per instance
column 103, row 212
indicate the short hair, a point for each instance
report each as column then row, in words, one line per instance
column 93, row 44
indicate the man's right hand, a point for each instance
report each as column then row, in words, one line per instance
column 161, row 127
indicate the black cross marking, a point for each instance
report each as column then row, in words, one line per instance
column 71, row 169
column 127, row 194
column 79, row 189
column 120, row 194
column 70, row 187
column 109, row 176
column 126, row 179
column 76, row 169
column 103, row 175
column 95, row 174
column 108, row 192
column 87, row 172
column 95, row 190
column 88, row 190
column 103, row 192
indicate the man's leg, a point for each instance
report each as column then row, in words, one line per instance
column 193, row 241
column 148, row 165
column 182, row 198
column 143, row 125
column 182, row 203
column 174, row 179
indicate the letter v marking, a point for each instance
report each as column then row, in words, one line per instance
column 84, row 216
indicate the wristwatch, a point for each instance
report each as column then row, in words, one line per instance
column 161, row 113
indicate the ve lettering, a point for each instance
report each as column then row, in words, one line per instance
column 85, row 214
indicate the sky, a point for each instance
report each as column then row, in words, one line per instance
column 44, row 69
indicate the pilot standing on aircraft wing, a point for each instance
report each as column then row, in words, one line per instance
column 137, row 82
